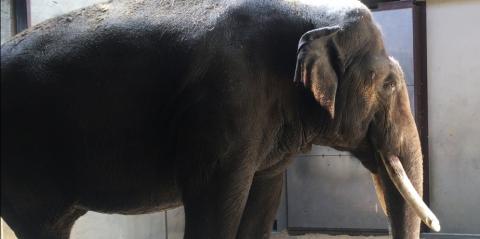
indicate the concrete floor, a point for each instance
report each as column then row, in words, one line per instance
column 284, row 235
column 6, row 233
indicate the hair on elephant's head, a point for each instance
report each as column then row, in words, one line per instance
column 364, row 94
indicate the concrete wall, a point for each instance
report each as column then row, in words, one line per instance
column 103, row 226
column 453, row 44
column 43, row 9
column 6, row 24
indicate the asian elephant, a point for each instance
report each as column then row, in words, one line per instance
column 138, row 106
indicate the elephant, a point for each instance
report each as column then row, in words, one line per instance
column 132, row 107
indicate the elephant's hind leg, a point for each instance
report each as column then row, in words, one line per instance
column 48, row 220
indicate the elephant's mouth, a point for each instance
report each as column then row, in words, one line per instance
column 403, row 184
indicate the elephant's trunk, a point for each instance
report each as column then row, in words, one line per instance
column 404, row 222
column 395, row 136
column 400, row 179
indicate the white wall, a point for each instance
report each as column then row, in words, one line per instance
column 6, row 23
column 103, row 226
column 41, row 10
column 453, row 45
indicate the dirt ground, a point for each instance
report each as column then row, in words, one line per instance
column 284, row 235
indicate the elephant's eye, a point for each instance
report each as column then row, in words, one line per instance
column 389, row 86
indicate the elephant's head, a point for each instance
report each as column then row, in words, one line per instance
column 363, row 93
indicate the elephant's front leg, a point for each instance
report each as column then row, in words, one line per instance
column 261, row 208
column 213, row 210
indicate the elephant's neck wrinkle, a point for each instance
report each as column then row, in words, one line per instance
column 315, row 125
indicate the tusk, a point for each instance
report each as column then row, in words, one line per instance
column 400, row 179
column 377, row 183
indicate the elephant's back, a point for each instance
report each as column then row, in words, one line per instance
column 87, row 87
column 135, row 62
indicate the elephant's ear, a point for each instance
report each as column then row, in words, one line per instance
column 317, row 65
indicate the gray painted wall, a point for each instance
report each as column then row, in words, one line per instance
column 453, row 45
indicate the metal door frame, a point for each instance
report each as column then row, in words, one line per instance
column 420, row 103
column 420, row 80
column 20, row 15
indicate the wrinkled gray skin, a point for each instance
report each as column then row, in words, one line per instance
column 132, row 107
